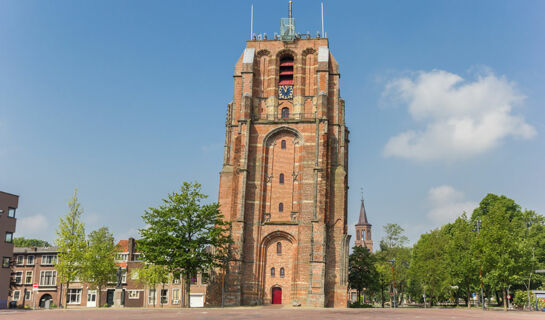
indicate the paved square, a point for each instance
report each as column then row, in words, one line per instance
column 266, row 313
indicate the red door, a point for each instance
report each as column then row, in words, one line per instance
column 276, row 295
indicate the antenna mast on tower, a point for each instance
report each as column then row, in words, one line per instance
column 251, row 21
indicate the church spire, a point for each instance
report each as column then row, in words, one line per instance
column 363, row 214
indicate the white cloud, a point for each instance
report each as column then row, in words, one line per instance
column 33, row 227
column 447, row 203
column 459, row 119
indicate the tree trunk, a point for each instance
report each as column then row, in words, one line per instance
column 382, row 294
column 498, row 298
column 359, row 296
column 468, row 298
column 188, row 289
column 98, row 295
column 504, row 299
column 66, row 295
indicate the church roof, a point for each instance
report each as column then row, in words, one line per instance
column 363, row 215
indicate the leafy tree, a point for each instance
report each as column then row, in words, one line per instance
column 99, row 260
column 393, row 250
column 428, row 263
column 461, row 264
column 183, row 234
column 151, row 275
column 71, row 244
column 394, row 237
column 498, row 243
column 362, row 273
column 22, row 242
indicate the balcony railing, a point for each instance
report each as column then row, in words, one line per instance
column 281, row 117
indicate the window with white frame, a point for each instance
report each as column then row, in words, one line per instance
column 49, row 260
column 20, row 260
column 134, row 275
column 152, row 296
column 48, row 278
column 176, row 277
column 19, row 277
column 16, row 295
column 124, row 276
column 175, row 296
column 28, row 277
column 28, row 295
column 11, row 212
column 122, row 256
column 74, row 296
column 164, row 296
column 30, row 260
column 137, row 257
column 134, row 294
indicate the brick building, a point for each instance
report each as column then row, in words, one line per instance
column 283, row 184
column 8, row 206
column 37, row 265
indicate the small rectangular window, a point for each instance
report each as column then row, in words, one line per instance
column 16, row 295
column 175, row 296
column 5, row 262
column 28, row 277
column 20, row 260
column 164, row 296
column 134, row 294
column 27, row 295
column 30, row 260
column 152, row 296
column 9, row 237
column 11, row 212
column 19, row 277
column 74, row 296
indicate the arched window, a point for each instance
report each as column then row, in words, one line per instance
column 272, row 272
column 285, row 113
column 280, row 207
column 281, row 178
column 278, row 248
column 286, row 71
column 282, row 273
column 283, row 144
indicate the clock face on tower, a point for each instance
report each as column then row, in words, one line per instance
column 285, row 92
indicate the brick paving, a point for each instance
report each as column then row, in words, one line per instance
column 265, row 313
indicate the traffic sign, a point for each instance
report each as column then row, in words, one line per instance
column 474, row 294
column 508, row 297
column 35, row 286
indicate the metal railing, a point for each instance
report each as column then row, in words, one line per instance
column 280, row 117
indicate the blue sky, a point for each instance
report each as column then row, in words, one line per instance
column 125, row 100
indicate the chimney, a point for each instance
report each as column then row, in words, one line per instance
column 131, row 246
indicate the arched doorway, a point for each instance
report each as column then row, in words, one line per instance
column 276, row 295
column 44, row 298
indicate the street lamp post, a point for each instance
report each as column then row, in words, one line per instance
column 478, row 230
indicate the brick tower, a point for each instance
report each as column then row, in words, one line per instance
column 284, row 179
column 363, row 230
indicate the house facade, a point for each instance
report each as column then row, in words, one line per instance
column 8, row 207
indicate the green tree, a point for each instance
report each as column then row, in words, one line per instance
column 152, row 275
column 393, row 251
column 428, row 263
column 498, row 243
column 362, row 272
column 22, row 242
column 71, row 244
column 184, row 234
column 460, row 259
column 99, row 260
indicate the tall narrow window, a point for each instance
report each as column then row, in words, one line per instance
column 281, row 178
column 278, row 248
column 282, row 273
column 272, row 272
column 285, row 113
column 280, row 207
column 283, row 144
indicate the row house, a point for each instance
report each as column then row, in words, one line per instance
column 36, row 282
column 8, row 206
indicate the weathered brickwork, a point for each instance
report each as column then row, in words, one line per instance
column 284, row 178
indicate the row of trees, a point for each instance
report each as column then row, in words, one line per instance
column 499, row 245
column 183, row 236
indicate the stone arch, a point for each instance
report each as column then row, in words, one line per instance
column 268, row 137
column 268, row 258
